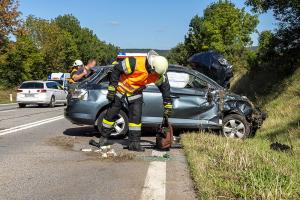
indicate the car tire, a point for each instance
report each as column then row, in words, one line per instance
column 121, row 124
column 235, row 126
column 22, row 105
column 52, row 102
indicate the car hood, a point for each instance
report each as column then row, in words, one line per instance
column 230, row 96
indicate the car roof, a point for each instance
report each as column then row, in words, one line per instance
column 179, row 68
column 37, row 81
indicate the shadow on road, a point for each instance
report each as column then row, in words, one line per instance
column 84, row 131
column 89, row 131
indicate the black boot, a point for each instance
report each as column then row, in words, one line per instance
column 134, row 138
column 104, row 134
column 102, row 142
column 135, row 146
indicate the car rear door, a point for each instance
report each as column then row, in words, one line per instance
column 53, row 90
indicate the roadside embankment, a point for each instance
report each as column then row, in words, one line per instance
column 5, row 95
column 248, row 169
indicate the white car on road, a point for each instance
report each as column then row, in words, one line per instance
column 41, row 93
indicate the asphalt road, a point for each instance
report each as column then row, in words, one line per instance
column 41, row 158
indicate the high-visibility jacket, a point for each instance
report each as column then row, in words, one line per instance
column 131, row 75
column 132, row 81
column 73, row 72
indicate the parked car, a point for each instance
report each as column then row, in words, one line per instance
column 198, row 102
column 41, row 93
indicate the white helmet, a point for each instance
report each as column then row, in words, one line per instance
column 77, row 63
column 157, row 62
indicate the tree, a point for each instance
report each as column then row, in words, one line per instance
column 178, row 55
column 9, row 18
column 57, row 45
column 287, row 12
column 223, row 28
column 24, row 62
column 89, row 45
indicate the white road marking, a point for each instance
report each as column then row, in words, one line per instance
column 7, row 104
column 29, row 125
column 5, row 111
column 155, row 183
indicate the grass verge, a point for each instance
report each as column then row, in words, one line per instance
column 248, row 169
column 4, row 95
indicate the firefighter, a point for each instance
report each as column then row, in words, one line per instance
column 78, row 64
column 85, row 71
column 128, row 79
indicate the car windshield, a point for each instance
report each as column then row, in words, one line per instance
column 32, row 85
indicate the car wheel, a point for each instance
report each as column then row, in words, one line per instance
column 22, row 105
column 235, row 126
column 120, row 126
column 52, row 102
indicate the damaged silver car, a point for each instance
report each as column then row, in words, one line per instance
column 198, row 101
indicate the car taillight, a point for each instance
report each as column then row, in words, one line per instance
column 42, row 91
column 19, row 90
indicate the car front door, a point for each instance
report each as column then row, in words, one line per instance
column 55, row 91
column 190, row 102
column 62, row 92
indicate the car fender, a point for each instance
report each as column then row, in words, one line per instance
column 238, row 107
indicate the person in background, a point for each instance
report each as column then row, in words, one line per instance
column 84, row 72
column 76, row 66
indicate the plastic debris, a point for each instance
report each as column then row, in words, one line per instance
column 111, row 153
column 104, row 155
column 105, row 147
column 86, row 150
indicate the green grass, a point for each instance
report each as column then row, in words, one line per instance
column 248, row 169
column 4, row 95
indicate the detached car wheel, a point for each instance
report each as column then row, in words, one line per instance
column 235, row 126
column 120, row 126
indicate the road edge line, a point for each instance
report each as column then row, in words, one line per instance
column 30, row 125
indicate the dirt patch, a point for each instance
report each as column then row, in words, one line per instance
column 123, row 156
column 63, row 142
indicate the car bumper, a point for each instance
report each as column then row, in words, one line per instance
column 33, row 101
column 78, row 112
column 258, row 118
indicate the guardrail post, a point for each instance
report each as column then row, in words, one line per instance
column 10, row 97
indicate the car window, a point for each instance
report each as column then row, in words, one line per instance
column 32, row 85
column 185, row 80
column 52, row 85
column 58, row 86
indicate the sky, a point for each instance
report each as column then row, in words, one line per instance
column 157, row 24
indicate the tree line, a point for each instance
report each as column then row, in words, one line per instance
column 227, row 29
column 34, row 47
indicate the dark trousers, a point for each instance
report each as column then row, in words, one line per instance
column 134, row 115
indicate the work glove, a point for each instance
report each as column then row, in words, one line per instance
column 168, row 108
column 111, row 93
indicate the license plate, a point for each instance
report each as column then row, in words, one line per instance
column 29, row 95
